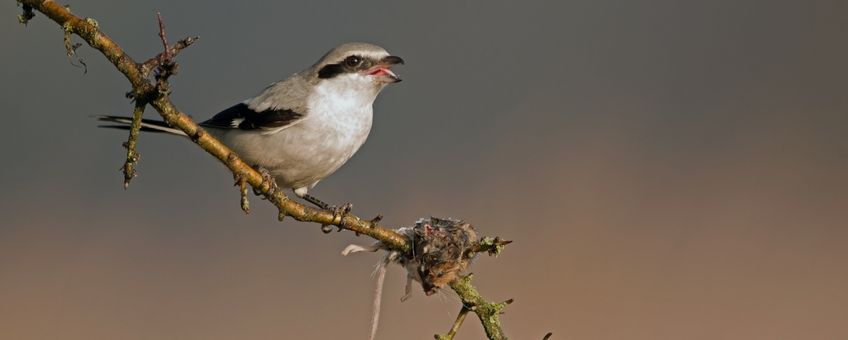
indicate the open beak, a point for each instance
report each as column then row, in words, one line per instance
column 383, row 69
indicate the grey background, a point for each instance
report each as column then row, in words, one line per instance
column 668, row 170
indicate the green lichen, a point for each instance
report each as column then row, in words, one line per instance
column 487, row 312
column 495, row 247
column 93, row 22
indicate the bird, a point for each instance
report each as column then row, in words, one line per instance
column 303, row 128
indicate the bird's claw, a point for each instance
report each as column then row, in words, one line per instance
column 266, row 178
column 340, row 212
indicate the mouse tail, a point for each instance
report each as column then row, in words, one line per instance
column 380, row 276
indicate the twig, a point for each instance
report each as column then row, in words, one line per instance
column 163, row 36
column 245, row 204
column 166, row 67
column 130, row 144
column 26, row 15
column 151, row 64
column 71, row 51
column 460, row 318
column 487, row 312
column 492, row 246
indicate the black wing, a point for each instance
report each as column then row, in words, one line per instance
column 242, row 117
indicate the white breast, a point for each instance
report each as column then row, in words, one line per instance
column 342, row 117
column 336, row 125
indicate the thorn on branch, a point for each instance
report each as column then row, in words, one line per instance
column 167, row 66
column 492, row 246
column 159, row 59
column 162, row 35
column 163, row 62
column 374, row 221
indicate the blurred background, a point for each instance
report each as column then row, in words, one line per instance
column 667, row 169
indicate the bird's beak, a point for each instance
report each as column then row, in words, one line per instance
column 383, row 70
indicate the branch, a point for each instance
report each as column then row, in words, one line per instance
column 492, row 246
column 143, row 88
column 160, row 58
column 463, row 312
column 488, row 312
column 146, row 92
column 132, row 154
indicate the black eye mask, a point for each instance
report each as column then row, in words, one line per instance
column 350, row 64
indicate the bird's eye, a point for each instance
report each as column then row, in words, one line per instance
column 353, row 61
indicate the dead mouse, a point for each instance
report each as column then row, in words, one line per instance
column 439, row 253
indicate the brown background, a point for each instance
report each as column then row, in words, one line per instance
column 668, row 170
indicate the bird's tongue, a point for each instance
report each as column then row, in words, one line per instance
column 382, row 71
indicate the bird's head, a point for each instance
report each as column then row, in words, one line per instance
column 359, row 64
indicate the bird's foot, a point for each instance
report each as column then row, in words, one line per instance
column 266, row 178
column 339, row 214
column 342, row 211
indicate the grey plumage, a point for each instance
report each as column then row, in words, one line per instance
column 303, row 128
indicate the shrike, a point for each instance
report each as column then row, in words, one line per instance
column 302, row 129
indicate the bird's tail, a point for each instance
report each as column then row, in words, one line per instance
column 147, row 125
